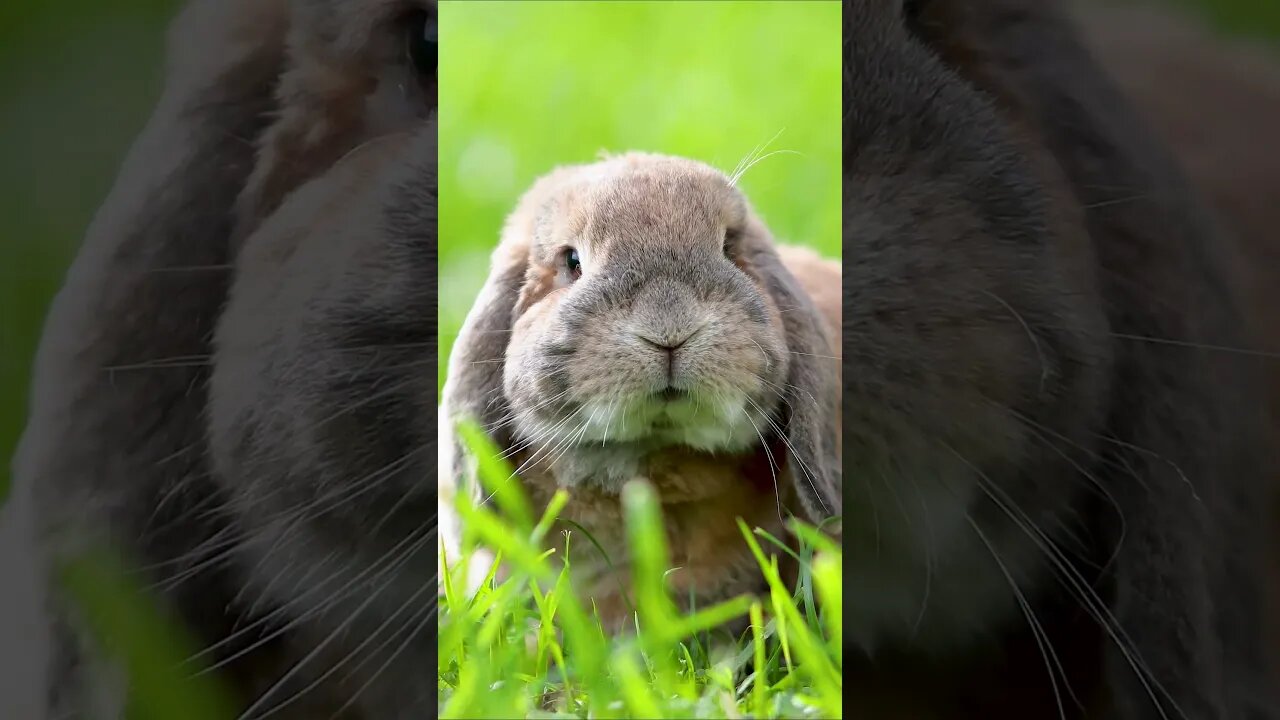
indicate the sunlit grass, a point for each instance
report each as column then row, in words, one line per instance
column 530, row 646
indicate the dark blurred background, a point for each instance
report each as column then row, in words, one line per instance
column 77, row 79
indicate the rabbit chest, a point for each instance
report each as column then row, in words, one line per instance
column 702, row 496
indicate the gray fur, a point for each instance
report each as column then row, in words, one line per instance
column 1011, row 230
column 123, row 443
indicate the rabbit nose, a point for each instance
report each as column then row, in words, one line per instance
column 670, row 341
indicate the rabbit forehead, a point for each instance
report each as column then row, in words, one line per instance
column 640, row 197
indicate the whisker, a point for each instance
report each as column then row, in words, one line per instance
column 395, row 557
column 1092, row 603
column 315, row 653
column 427, row 616
column 773, row 468
column 929, row 559
column 1037, row 630
column 808, row 473
column 1035, row 342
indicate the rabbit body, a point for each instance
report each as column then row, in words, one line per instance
column 640, row 324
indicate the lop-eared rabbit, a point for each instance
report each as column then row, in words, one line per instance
column 1058, row 405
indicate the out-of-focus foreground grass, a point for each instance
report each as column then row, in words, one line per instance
column 525, row 87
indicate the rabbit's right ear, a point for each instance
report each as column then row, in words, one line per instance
column 152, row 271
column 474, row 388
column 151, row 274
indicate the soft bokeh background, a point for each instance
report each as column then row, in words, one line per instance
column 77, row 79
column 528, row 86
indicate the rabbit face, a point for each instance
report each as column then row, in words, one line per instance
column 641, row 320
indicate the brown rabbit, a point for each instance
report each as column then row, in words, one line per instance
column 639, row 323
column 1049, row 397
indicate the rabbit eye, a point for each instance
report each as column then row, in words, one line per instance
column 572, row 264
column 422, row 43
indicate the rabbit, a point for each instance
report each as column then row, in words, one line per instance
column 638, row 322
column 1059, row 454
column 230, row 382
column 170, row 419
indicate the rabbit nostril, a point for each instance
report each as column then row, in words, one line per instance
column 666, row 345
column 670, row 343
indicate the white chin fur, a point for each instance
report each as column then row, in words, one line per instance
column 723, row 424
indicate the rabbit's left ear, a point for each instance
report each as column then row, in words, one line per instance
column 810, row 407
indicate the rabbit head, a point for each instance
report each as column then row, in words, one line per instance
column 637, row 304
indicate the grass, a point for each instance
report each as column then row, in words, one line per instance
column 151, row 646
column 529, row 646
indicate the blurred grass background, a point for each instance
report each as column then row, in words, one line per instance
column 525, row 87
column 77, row 79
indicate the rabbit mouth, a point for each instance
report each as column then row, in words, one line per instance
column 671, row 394
column 679, row 417
column 670, row 416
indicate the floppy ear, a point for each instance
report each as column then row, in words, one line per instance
column 474, row 388
column 152, row 272
column 320, row 116
column 810, row 404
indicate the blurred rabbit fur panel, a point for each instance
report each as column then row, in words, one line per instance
column 236, row 384
column 639, row 322
column 1058, row 440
